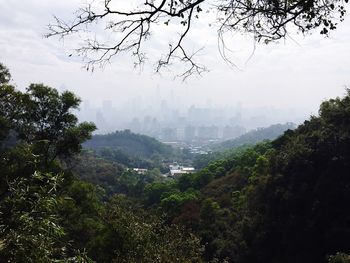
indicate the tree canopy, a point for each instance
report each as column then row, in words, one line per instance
column 130, row 25
column 36, row 128
column 48, row 214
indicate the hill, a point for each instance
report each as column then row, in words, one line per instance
column 255, row 136
column 131, row 150
column 130, row 143
column 279, row 201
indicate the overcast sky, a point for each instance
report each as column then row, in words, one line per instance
column 297, row 73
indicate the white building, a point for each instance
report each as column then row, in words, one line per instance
column 176, row 170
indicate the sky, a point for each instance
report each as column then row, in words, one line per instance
column 297, row 73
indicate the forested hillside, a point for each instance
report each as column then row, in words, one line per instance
column 279, row 201
column 47, row 214
column 227, row 149
column 284, row 201
column 132, row 150
column 132, row 144
column 255, row 136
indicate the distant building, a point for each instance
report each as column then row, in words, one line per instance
column 177, row 170
column 208, row 132
column 190, row 133
column 140, row 170
column 180, row 133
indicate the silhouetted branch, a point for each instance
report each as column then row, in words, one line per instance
column 266, row 20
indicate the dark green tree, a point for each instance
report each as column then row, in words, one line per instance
column 41, row 121
column 297, row 211
column 132, row 236
column 38, row 131
column 28, row 223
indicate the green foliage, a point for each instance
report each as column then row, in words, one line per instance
column 156, row 191
column 132, row 144
column 209, row 210
column 130, row 236
column 49, row 123
column 51, row 218
column 37, row 128
column 175, row 201
column 29, row 224
column 122, row 157
column 5, row 75
column 131, row 183
column 185, row 182
column 42, row 118
column 284, row 201
column 79, row 210
column 286, row 211
column 98, row 171
column 136, row 150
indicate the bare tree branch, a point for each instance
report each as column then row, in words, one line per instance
column 265, row 20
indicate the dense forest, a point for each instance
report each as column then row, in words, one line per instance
column 284, row 200
column 133, row 144
column 135, row 150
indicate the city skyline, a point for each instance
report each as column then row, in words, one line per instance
column 163, row 116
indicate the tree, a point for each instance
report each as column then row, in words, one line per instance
column 265, row 20
column 28, row 225
column 37, row 127
column 5, row 75
column 29, row 228
column 130, row 235
column 297, row 211
column 42, row 118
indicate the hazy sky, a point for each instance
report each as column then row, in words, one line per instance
column 297, row 73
